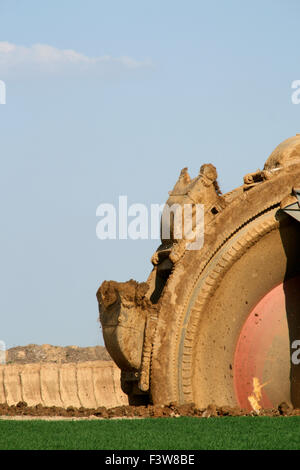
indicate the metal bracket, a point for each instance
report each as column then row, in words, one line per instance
column 292, row 207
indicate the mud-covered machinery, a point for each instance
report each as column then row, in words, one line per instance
column 219, row 324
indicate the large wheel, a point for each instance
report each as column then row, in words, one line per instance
column 230, row 313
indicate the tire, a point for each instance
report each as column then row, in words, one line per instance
column 212, row 294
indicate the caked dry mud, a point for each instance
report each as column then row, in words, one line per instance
column 60, row 377
column 150, row 411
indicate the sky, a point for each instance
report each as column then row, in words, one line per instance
column 110, row 98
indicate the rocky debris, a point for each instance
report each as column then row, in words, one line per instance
column 150, row 411
column 211, row 411
column 34, row 353
column 285, row 409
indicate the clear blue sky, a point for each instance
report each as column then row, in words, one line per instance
column 153, row 86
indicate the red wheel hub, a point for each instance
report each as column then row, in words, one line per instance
column 263, row 351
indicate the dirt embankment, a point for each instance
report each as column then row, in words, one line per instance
column 34, row 353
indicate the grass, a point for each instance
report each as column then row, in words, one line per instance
column 154, row 434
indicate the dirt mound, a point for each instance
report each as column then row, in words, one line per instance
column 150, row 411
column 34, row 353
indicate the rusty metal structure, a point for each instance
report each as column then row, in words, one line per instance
column 219, row 324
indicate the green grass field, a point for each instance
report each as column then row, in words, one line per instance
column 161, row 433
